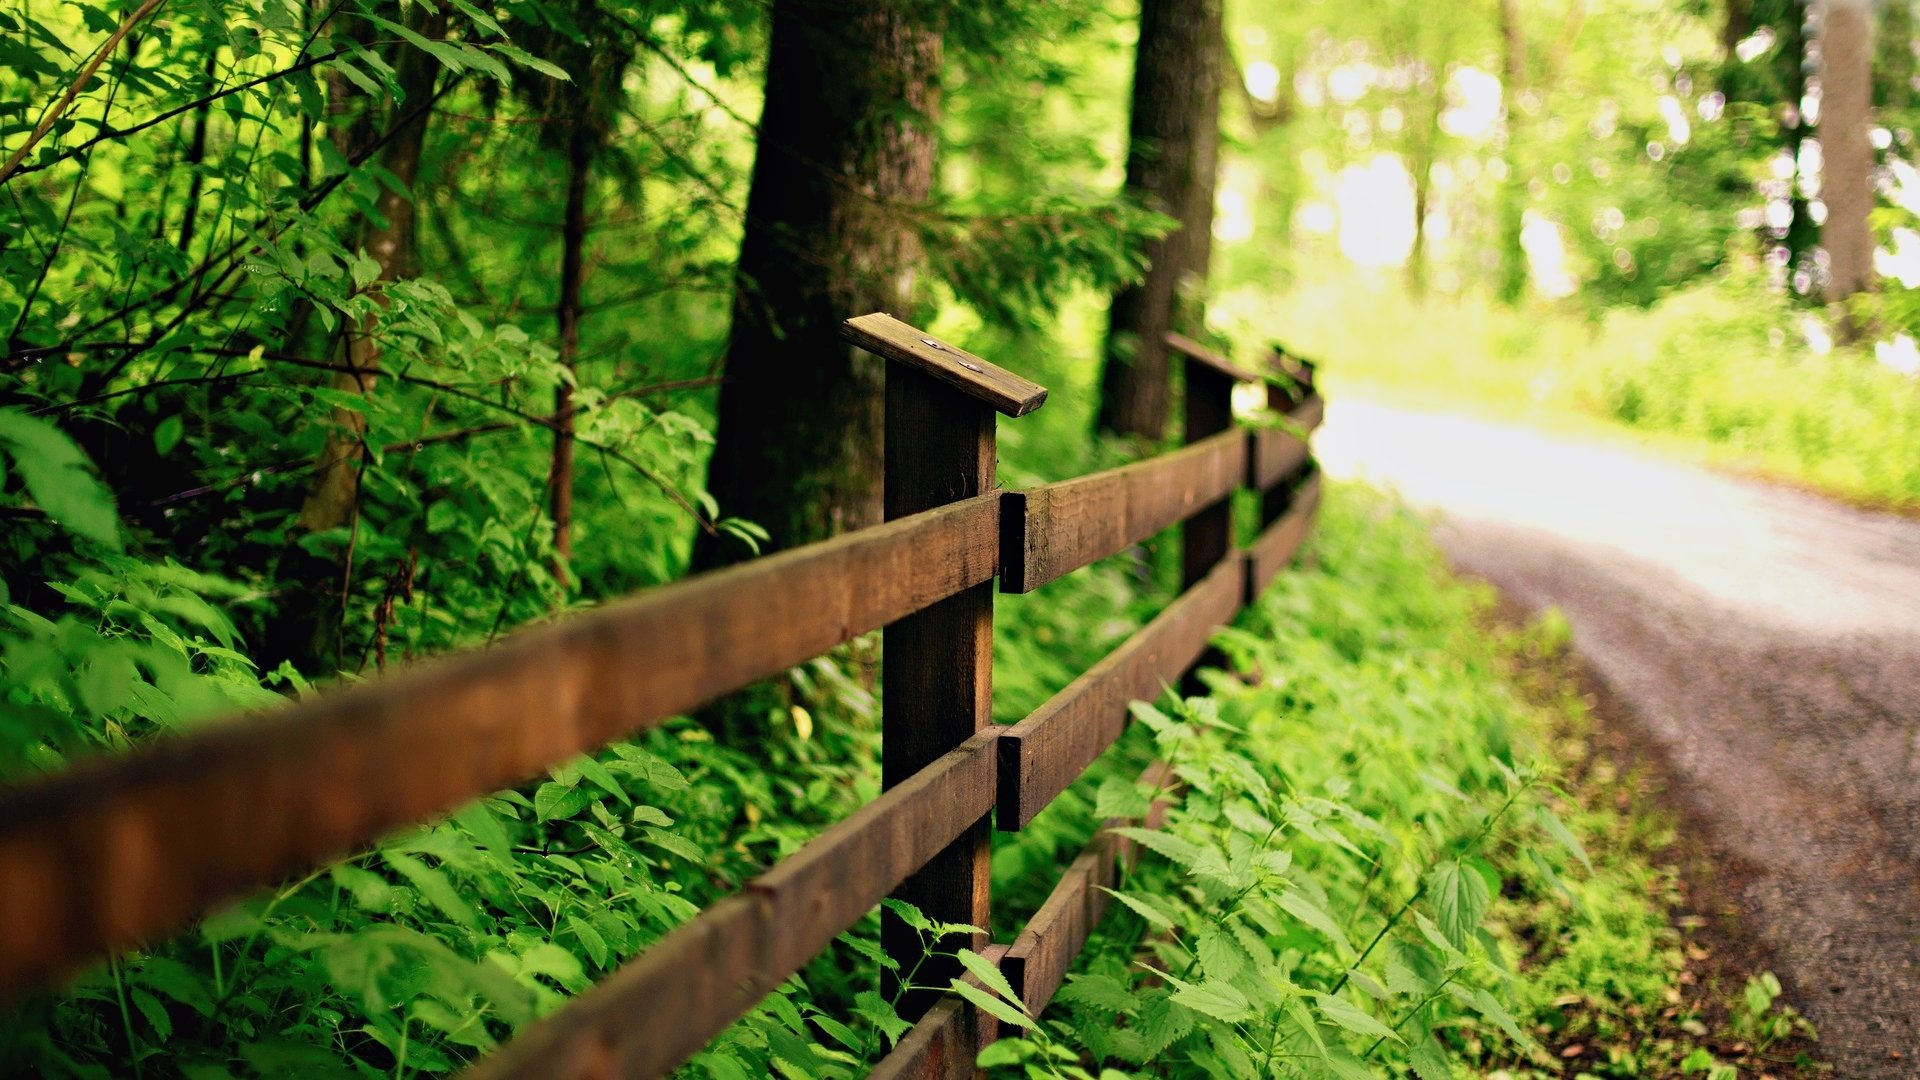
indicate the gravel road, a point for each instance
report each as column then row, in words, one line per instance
column 1766, row 640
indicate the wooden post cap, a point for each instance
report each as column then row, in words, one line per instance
column 1195, row 351
column 883, row 335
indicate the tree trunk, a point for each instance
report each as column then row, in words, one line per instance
column 307, row 630
column 1513, row 203
column 1173, row 147
column 1846, row 184
column 1736, row 25
column 582, row 143
column 1421, row 148
column 1802, row 234
column 844, row 159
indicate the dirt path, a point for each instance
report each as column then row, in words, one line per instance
column 1768, row 640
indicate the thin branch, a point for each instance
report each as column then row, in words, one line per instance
column 79, row 84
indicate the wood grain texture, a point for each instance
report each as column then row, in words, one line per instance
column 884, row 335
column 937, row 679
column 1052, row 530
column 1192, row 350
column 655, row 1011
column 1275, row 548
column 1278, row 453
column 1049, row 750
column 122, row 849
column 666, row 1004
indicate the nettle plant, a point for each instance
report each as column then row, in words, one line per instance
column 1315, row 904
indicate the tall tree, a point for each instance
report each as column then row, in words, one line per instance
column 1173, row 146
column 307, row 629
column 1512, row 209
column 596, row 50
column 1846, row 153
column 844, row 159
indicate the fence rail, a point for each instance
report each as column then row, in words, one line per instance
column 120, row 850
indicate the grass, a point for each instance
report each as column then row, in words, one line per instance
column 1718, row 373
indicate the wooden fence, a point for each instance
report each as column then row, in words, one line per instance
column 121, row 850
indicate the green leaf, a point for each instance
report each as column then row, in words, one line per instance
column 1460, row 898
column 449, row 55
column 1100, row 992
column 478, row 820
column 435, row 886
column 1181, row 853
column 1142, row 908
column 1428, row 1059
column 1301, row 906
column 984, row 970
column 167, row 433
column 598, row 773
column 871, row 1007
column 527, row 60
column 1350, row 1016
column 1563, row 835
column 1489, row 1007
column 991, row 1005
column 553, row 801
column 1214, row 998
column 59, row 478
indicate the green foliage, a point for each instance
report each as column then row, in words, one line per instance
column 1370, row 871
column 1719, row 370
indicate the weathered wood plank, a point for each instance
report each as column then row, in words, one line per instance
column 1058, row 528
column 937, row 684
column 945, row 1042
column 1038, row 960
column 819, row 891
column 1193, row 350
column 121, row 849
column 1048, row 750
column 1278, row 453
column 656, row 1011
column 666, row 1004
column 1274, row 549
column 883, row 335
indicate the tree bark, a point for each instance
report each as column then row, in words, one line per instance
column 582, row 143
column 1512, row 209
column 1802, row 234
column 1172, row 153
column 308, row 628
column 844, row 161
column 1846, row 185
column 1422, row 145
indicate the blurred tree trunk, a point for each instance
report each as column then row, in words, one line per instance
column 583, row 142
column 306, row 629
column 1422, row 144
column 1172, row 152
column 1791, row 57
column 596, row 52
column 1846, row 185
column 1513, row 67
column 844, row 159
column 1735, row 27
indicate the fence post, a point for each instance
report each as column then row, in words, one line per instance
column 937, row 679
column 1207, row 536
column 1294, row 387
